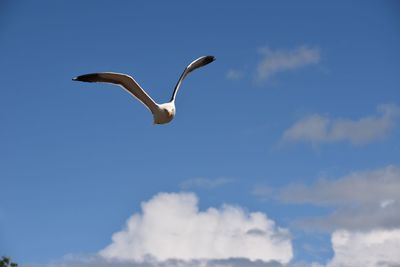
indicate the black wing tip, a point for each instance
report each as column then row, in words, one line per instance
column 209, row 59
column 86, row 78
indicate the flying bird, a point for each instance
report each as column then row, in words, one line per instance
column 162, row 113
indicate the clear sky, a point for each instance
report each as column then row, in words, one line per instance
column 297, row 119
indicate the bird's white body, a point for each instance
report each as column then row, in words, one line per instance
column 162, row 113
column 165, row 113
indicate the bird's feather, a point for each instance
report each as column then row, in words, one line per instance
column 125, row 81
column 200, row 62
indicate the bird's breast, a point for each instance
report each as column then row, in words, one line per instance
column 165, row 115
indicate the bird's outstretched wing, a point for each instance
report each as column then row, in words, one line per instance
column 200, row 62
column 123, row 80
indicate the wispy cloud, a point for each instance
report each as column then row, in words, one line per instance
column 171, row 227
column 361, row 200
column 204, row 183
column 279, row 60
column 322, row 129
column 233, row 74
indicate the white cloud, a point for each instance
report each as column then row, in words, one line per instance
column 233, row 74
column 366, row 249
column 362, row 200
column 102, row 262
column 321, row 129
column 376, row 248
column 275, row 61
column 204, row 183
column 171, row 227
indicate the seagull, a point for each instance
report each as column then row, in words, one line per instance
column 162, row 113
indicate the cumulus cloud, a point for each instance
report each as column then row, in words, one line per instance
column 322, row 129
column 366, row 249
column 362, row 200
column 204, row 183
column 275, row 61
column 233, row 74
column 172, row 227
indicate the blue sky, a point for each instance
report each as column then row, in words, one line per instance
column 299, row 92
